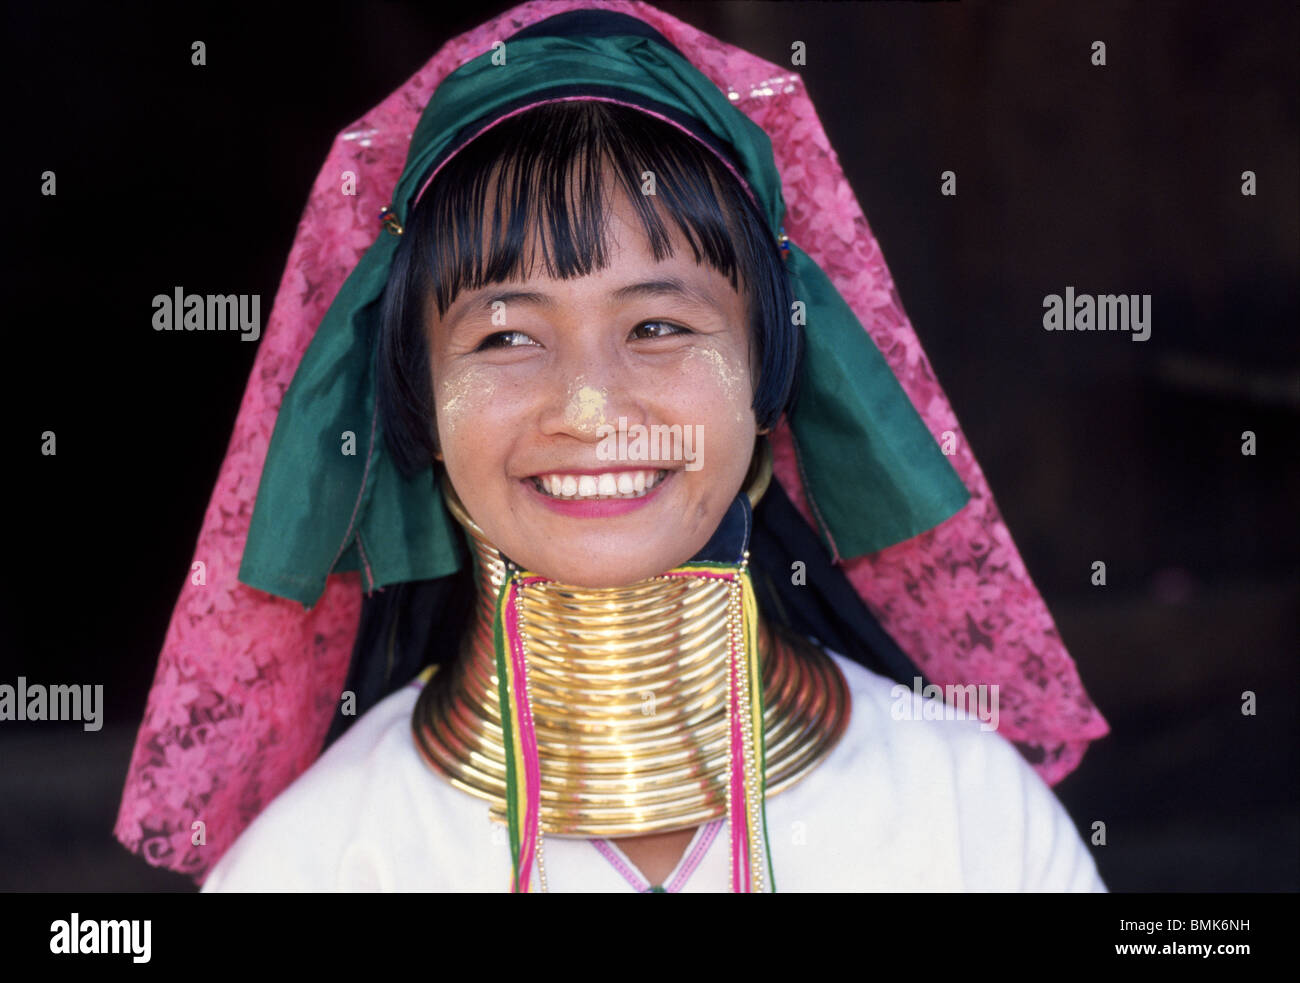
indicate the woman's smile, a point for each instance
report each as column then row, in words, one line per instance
column 598, row 495
column 620, row 483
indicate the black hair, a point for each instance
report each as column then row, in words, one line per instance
column 543, row 172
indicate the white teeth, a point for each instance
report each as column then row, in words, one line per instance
column 621, row 484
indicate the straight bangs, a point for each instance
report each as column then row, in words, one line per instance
column 543, row 182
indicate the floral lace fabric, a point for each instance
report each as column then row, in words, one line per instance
column 247, row 683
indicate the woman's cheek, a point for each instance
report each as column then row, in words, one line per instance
column 726, row 383
column 465, row 400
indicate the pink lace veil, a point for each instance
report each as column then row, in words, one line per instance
column 247, row 682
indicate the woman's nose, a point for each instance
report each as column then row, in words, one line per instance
column 586, row 400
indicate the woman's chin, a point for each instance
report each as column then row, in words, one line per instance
column 617, row 572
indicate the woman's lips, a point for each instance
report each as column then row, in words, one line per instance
column 631, row 483
column 597, row 494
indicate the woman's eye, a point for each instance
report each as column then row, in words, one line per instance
column 659, row 329
column 505, row 339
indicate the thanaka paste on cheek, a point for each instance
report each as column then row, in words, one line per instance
column 463, row 397
column 730, row 379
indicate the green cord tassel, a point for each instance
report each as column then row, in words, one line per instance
column 507, row 727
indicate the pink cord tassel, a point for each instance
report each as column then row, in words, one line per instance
column 739, row 818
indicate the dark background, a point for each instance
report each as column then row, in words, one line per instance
column 1117, row 179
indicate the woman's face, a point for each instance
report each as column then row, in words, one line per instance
column 534, row 380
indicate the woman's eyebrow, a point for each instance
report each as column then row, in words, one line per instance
column 665, row 286
column 484, row 303
column 670, row 286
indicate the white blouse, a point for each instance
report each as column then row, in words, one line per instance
column 897, row 805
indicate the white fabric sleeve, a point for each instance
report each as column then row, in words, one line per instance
column 318, row 834
column 1022, row 828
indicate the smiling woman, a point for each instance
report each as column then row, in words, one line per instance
column 662, row 311
column 576, row 669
